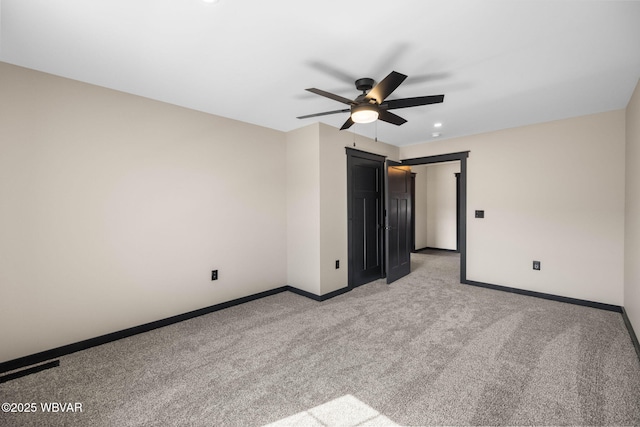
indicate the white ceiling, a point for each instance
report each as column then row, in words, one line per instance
column 499, row 63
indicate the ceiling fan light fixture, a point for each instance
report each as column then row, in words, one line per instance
column 364, row 114
column 372, row 105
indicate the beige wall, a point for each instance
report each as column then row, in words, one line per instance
column 115, row 209
column 333, row 209
column 632, row 213
column 552, row 192
column 303, row 208
column 317, row 204
column 422, row 206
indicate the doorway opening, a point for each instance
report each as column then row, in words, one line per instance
column 380, row 215
column 461, row 199
column 435, row 206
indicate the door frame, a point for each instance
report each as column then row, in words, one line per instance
column 462, row 198
column 413, row 212
column 458, row 212
column 351, row 153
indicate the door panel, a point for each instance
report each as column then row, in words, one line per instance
column 398, row 221
column 366, row 232
column 366, row 262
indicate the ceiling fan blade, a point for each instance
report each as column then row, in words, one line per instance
column 413, row 102
column 386, row 86
column 347, row 124
column 331, row 96
column 333, row 71
column 324, row 114
column 388, row 117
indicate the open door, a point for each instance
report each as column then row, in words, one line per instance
column 398, row 220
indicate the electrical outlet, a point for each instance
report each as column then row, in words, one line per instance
column 214, row 275
column 536, row 265
column 479, row 214
column 337, row 264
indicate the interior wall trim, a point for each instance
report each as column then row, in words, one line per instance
column 632, row 334
column 54, row 353
column 319, row 297
column 440, row 158
column 64, row 350
column 48, row 355
column 575, row 301
column 365, row 154
column 29, row 371
column 436, row 249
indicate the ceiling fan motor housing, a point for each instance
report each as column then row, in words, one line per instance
column 365, row 84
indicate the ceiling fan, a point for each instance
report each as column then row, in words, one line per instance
column 372, row 105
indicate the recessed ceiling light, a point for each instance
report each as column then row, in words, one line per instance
column 211, row 1
column 437, row 125
column 435, row 134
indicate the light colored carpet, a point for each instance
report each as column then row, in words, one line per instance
column 425, row 350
